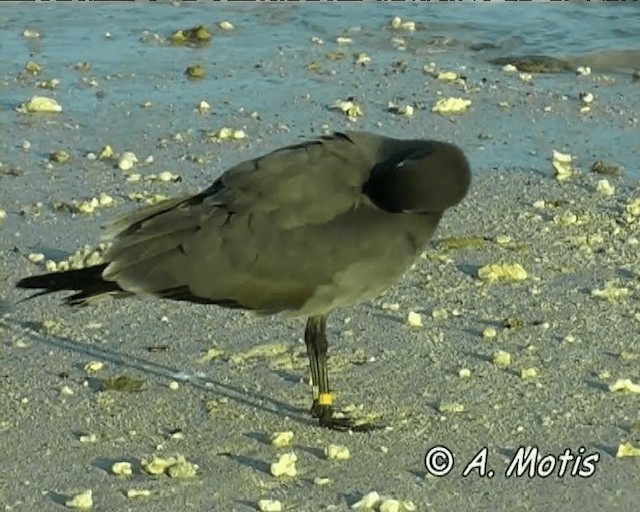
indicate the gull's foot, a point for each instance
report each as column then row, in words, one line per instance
column 341, row 423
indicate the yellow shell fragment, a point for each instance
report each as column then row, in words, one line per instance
column 229, row 134
column 362, row 58
column 122, row 468
column 87, row 438
column 147, row 198
column 368, row 502
column 624, row 386
column 269, row 506
column 33, row 67
column 35, row 257
column 81, row 501
column 633, row 207
column 502, row 272
column 106, row 153
column 59, row 156
column 439, row 314
column 337, row 452
column 501, row 358
column 285, row 465
column 195, row 72
column 489, row 333
column 127, row 160
column 350, row 108
column 66, row 391
column 89, row 206
column 198, row 34
column 30, row 33
column 451, row 106
column 561, row 163
column 210, row 355
column 605, row 188
column 414, row 319
column 84, row 257
column 137, row 493
column 389, row 505
column 182, row 469
column 373, row 501
column 627, row 450
column 525, row 77
column 157, row 465
column 611, row 292
column 451, row 407
column 175, row 467
column 405, row 110
column 40, row 104
column 528, row 373
column 447, row 76
column 93, row 366
column 281, row 439
column 398, row 24
column 586, row 97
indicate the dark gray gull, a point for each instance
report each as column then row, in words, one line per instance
column 303, row 230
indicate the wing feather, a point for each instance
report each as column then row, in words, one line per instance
column 196, row 241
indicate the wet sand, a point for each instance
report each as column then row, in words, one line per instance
column 574, row 319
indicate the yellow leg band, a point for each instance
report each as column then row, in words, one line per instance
column 325, row 399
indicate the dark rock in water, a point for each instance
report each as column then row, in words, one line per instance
column 535, row 63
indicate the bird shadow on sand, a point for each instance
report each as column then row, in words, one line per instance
column 122, row 360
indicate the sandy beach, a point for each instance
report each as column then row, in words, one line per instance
column 528, row 295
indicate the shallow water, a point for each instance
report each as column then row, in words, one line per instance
column 261, row 66
column 563, row 28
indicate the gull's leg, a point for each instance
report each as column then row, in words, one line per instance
column 315, row 338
